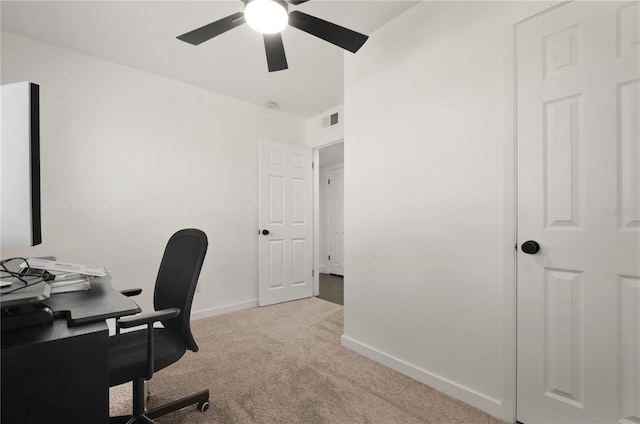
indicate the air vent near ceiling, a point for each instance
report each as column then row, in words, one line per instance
column 330, row 120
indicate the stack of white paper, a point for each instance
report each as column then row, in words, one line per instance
column 65, row 285
column 68, row 277
column 98, row 271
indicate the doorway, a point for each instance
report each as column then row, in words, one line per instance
column 330, row 222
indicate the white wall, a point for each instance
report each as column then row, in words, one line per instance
column 128, row 158
column 425, row 200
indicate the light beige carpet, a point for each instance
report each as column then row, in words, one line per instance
column 284, row 364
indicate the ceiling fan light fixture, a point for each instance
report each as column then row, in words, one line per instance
column 266, row 16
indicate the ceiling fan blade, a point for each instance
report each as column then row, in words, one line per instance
column 213, row 29
column 335, row 34
column 297, row 2
column 276, row 59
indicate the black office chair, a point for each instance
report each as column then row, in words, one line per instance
column 136, row 355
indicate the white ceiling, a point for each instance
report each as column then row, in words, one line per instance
column 142, row 35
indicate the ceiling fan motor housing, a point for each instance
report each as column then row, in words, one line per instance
column 267, row 16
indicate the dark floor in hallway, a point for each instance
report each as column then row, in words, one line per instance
column 332, row 288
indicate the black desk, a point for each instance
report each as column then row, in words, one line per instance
column 58, row 372
column 87, row 306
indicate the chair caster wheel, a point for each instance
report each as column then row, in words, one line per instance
column 203, row 406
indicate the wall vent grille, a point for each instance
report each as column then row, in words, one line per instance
column 330, row 120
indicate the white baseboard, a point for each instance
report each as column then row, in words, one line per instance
column 219, row 310
column 465, row 394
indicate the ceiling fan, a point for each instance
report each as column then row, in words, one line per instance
column 270, row 17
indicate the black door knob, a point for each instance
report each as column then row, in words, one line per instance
column 265, row 232
column 531, row 247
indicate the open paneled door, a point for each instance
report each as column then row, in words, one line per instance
column 578, row 85
column 285, row 222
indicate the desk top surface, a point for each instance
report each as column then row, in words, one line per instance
column 75, row 313
column 102, row 301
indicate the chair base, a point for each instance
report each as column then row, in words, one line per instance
column 201, row 398
column 143, row 416
column 131, row 420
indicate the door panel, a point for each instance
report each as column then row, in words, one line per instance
column 629, row 158
column 285, row 253
column 335, row 195
column 629, row 347
column 562, row 166
column 578, row 197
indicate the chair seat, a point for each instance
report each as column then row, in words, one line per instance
column 128, row 353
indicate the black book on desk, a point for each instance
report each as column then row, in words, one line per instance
column 23, row 307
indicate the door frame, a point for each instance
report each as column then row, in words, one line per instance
column 510, row 200
column 316, row 213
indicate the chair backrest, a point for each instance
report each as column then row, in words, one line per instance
column 177, row 279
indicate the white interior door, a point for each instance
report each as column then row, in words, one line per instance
column 335, row 203
column 578, row 197
column 285, row 227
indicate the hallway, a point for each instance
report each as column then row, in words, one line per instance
column 332, row 288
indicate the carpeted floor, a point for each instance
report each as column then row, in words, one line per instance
column 284, row 364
